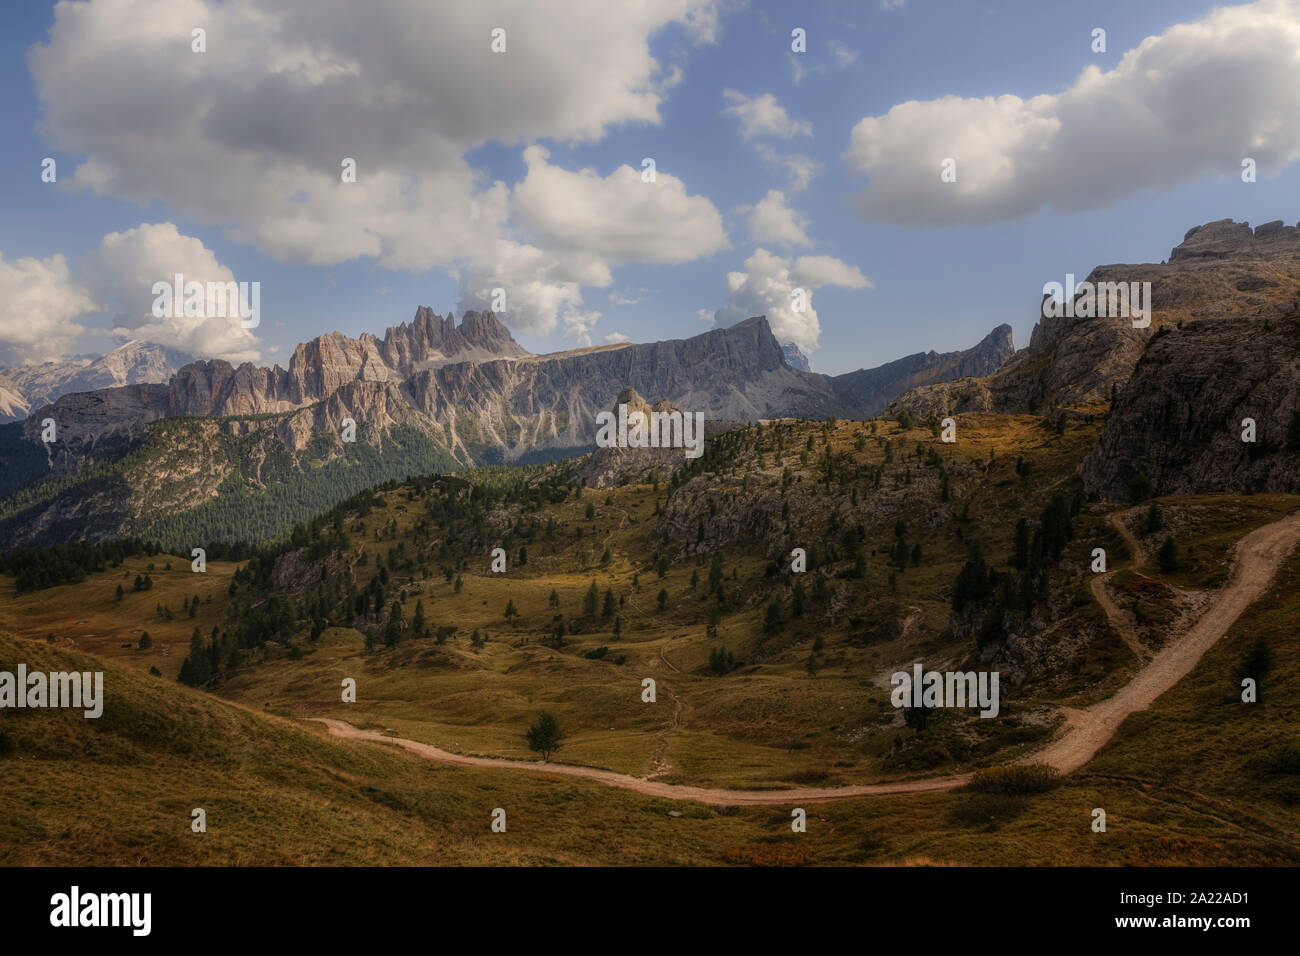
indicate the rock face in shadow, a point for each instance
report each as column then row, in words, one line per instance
column 868, row 391
column 1179, row 418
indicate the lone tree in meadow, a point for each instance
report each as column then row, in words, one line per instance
column 544, row 735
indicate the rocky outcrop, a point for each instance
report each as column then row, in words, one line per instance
column 1179, row 418
column 1220, row 270
column 611, row 465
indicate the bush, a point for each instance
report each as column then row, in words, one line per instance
column 1167, row 556
column 987, row 809
column 1016, row 778
column 1284, row 759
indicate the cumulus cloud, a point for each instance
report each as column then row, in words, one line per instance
column 617, row 338
column 1192, row 102
column 257, row 128
column 772, row 220
column 578, row 325
column 39, row 301
column 617, row 218
column 766, row 287
column 817, row 271
column 121, row 274
column 583, row 225
column 763, row 116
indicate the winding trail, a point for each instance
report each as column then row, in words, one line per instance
column 1255, row 562
column 1121, row 620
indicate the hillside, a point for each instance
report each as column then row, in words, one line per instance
column 800, row 704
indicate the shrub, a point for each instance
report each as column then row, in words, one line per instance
column 1014, row 779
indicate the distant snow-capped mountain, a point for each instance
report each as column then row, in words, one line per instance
column 25, row 388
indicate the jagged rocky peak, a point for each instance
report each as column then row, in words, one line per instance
column 1225, row 239
column 430, row 337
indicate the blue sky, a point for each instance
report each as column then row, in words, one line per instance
column 938, row 280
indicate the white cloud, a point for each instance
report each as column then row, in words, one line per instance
column 578, row 325
column 772, row 220
column 38, row 302
column 616, row 218
column 1187, row 104
column 827, row 270
column 803, row 65
column 800, row 169
column 256, row 128
column 763, row 116
column 841, row 54
column 121, row 274
column 625, row 298
column 766, row 285
column 617, row 338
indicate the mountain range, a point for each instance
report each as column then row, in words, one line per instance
column 216, row 452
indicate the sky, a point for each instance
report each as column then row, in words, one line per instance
column 782, row 177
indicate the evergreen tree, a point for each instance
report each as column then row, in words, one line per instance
column 1167, row 556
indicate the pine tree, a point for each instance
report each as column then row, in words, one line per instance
column 592, row 600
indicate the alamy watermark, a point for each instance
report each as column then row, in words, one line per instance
column 951, row 689
column 75, row 689
column 75, row 908
column 1098, row 300
column 653, row 430
column 206, row 300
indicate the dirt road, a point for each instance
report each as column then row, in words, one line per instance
column 1255, row 562
column 715, row 797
